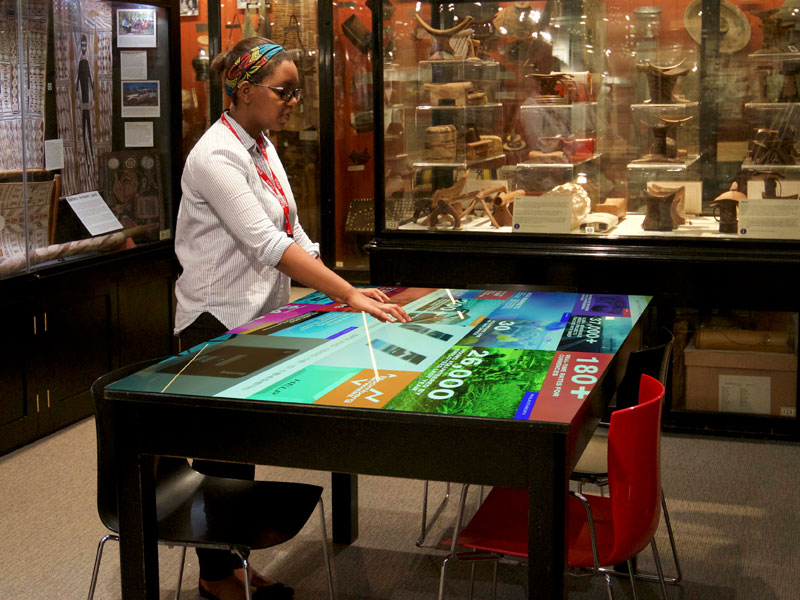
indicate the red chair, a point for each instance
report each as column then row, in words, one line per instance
column 602, row 531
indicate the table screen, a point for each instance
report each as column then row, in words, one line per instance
column 483, row 353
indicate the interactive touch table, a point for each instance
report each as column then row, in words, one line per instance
column 486, row 387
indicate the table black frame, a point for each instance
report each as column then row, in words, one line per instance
column 535, row 455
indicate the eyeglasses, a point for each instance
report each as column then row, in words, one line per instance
column 285, row 93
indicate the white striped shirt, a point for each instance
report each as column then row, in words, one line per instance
column 230, row 231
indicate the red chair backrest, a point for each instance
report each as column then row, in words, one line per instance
column 634, row 471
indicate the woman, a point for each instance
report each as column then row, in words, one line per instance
column 239, row 242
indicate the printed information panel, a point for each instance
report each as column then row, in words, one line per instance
column 482, row 353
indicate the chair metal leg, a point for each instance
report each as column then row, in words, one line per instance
column 97, row 559
column 609, row 591
column 246, row 565
column 443, row 577
column 454, row 547
column 678, row 573
column 325, row 553
column 180, row 574
column 660, row 571
column 494, row 580
column 471, row 580
column 426, row 526
column 630, row 576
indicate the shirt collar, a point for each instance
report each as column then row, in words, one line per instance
column 247, row 141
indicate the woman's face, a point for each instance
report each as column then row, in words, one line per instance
column 273, row 112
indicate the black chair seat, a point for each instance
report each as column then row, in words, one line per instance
column 194, row 509
column 241, row 513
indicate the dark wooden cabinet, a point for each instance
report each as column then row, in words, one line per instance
column 67, row 326
column 18, row 416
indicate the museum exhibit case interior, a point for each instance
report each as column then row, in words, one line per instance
column 208, row 28
column 88, row 163
column 628, row 147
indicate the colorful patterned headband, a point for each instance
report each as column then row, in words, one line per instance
column 248, row 65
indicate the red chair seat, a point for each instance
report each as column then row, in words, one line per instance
column 495, row 527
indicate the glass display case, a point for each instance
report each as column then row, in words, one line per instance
column 211, row 27
column 86, row 85
column 617, row 114
column 646, row 148
column 89, row 176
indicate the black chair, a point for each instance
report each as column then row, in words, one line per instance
column 592, row 466
column 203, row 511
column 427, row 525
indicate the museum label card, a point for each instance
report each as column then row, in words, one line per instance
column 138, row 134
column 548, row 213
column 94, row 213
column 53, row 154
column 776, row 219
column 133, row 65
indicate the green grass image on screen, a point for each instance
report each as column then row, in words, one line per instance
column 480, row 382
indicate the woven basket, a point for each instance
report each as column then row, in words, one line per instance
column 440, row 143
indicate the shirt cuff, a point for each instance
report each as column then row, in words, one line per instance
column 278, row 248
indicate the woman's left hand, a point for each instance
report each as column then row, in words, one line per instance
column 383, row 311
column 375, row 294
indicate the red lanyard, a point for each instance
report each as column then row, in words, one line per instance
column 270, row 179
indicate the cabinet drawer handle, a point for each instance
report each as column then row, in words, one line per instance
column 37, row 403
column 34, row 324
column 48, row 398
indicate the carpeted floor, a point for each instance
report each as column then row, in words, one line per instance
column 732, row 502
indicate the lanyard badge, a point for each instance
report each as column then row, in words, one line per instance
column 270, row 179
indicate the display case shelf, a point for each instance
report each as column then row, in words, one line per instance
column 775, row 56
column 490, row 162
column 676, row 166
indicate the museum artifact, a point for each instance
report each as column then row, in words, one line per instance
column 447, row 202
column 725, row 207
column 554, row 88
column 355, row 31
column 581, row 203
column 502, row 214
column 615, row 206
column 665, row 146
column 772, row 183
column 677, row 208
column 734, row 28
column 395, row 138
column 773, row 146
column 777, row 26
column 790, row 92
column 448, row 94
column 440, row 143
column 659, row 210
column 440, row 45
column 661, row 81
column 763, row 72
column 599, row 222
column 555, row 157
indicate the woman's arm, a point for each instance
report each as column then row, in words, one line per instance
column 311, row 272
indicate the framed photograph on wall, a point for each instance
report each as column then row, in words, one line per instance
column 141, row 98
column 189, row 8
column 136, row 28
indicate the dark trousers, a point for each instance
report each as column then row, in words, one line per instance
column 214, row 564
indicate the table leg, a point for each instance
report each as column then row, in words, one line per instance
column 547, row 553
column 137, row 517
column 344, row 502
